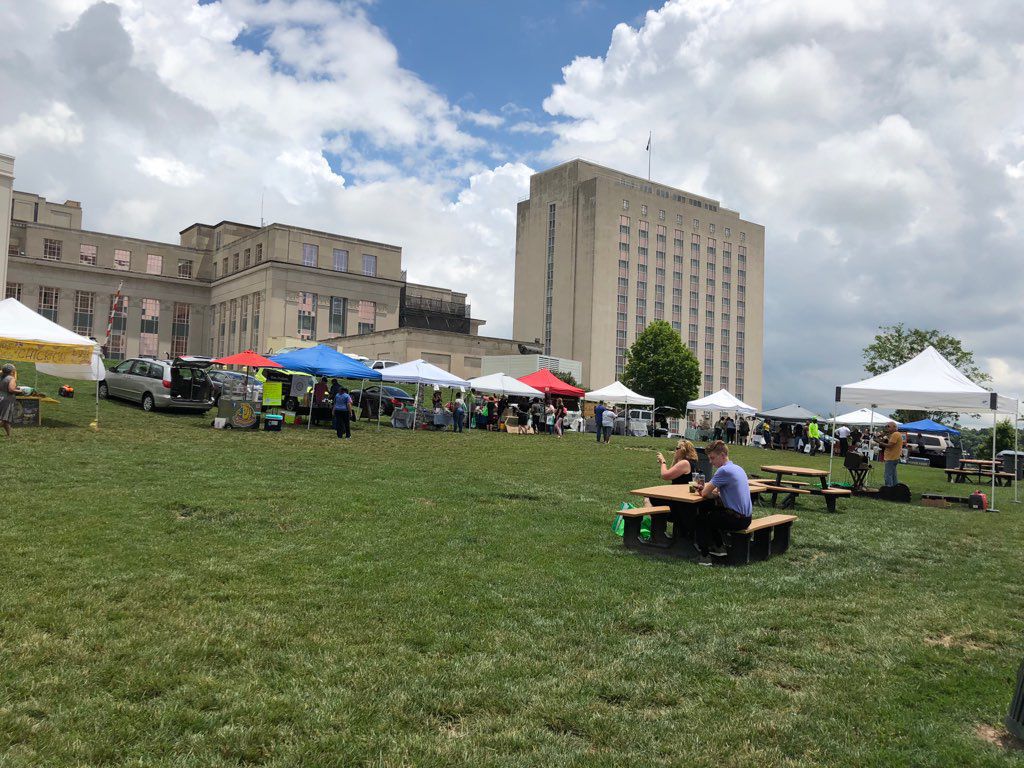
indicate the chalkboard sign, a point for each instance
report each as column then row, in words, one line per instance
column 26, row 412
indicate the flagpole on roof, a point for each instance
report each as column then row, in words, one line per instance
column 650, row 138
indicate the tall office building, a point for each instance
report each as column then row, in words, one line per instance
column 601, row 253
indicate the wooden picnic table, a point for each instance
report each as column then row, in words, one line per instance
column 985, row 463
column 780, row 470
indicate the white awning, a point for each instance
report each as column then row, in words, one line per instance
column 722, row 400
column 617, row 392
column 422, row 372
column 502, row 384
column 863, row 417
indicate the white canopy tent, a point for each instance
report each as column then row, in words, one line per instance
column 861, row 418
column 25, row 335
column 617, row 392
column 929, row 382
column 722, row 400
column 421, row 372
column 503, row 384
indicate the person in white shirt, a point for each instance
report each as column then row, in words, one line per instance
column 843, row 434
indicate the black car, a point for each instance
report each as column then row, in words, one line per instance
column 388, row 399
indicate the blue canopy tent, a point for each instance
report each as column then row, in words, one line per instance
column 929, row 427
column 322, row 360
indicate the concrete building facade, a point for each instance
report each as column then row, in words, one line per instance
column 222, row 289
column 601, row 253
column 6, row 199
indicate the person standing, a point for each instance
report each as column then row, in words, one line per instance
column 730, row 430
column 814, row 436
column 744, row 430
column 892, row 449
column 8, row 396
column 843, row 434
column 607, row 423
column 598, row 424
column 343, row 414
column 471, row 406
column 459, row 414
column 726, row 504
column 560, row 413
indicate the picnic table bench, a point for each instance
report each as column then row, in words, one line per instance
column 792, row 488
column 765, row 536
column 961, row 475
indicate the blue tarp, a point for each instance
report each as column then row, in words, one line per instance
column 928, row 427
column 324, row 361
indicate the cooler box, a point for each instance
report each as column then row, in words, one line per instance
column 272, row 422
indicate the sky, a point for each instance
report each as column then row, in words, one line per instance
column 880, row 142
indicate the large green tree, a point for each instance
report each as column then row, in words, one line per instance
column 896, row 344
column 659, row 366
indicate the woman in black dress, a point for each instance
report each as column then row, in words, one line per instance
column 679, row 472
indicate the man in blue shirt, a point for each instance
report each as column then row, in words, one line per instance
column 727, row 503
column 343, row 414
column 597, row 419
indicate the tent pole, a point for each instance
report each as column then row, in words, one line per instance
column 992, row 498
column 1016, row 419
column 831, row 445
column 380, row 399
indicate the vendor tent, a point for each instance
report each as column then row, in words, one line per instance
column 617, row 392
column 722, row 400
column 322, row 360
column 503, row 384
column 791, row 412
column 929, row 382
column 928, row 427
column 861, row 418
column 28, row 336
column 421, row 372
column 548, row 383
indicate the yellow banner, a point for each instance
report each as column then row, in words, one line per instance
column 39, row 352
column 272, row 393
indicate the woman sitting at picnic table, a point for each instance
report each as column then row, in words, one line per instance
column 679, row 472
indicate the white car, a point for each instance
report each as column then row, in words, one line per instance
column 380, row 365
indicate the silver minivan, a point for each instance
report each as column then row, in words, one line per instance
column 179, row 383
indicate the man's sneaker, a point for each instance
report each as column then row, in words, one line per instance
column 717, row 551
column 704, row 560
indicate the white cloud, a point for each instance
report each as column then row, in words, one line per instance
column 169, row 170
column 56, row 127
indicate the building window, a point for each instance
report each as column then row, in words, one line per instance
column 661, row 215
column 367, row 317
column 307, row 315
column 728, row 232
column 338, row 309
column 234, row 262
column 643, row 210
column 259, row 252
column 48, row 302
column 154, row 264
column 224, row 267
column 243, row 320
column 369, row 265
column 52, row 249
column 254, row 343
column 122, row 260
column 185, row 269
column 84, row 308
column 310, row 254
column 625, row 205
column 87, row 254
column 118, row 326
column 711, row 229
column 340, row 260
column 13, row 291
column 233, row 321
column 473, row 363
column 179, row 329
column 149, row 328
column 696, row 225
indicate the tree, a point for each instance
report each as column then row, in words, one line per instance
column 1004, row 439
column 659, row 366
column 895, row 345
column 568, row 378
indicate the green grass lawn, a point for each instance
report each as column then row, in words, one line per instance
column 175, row 595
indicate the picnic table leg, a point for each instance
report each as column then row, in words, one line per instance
column 830, row 503
column 631, row 532
column 659, row 524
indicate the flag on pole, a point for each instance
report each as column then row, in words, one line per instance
column 648, row 148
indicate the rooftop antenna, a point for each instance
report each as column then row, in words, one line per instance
column 262, row 192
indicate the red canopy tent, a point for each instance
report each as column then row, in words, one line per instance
column 250, row 360
column 547, row 382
